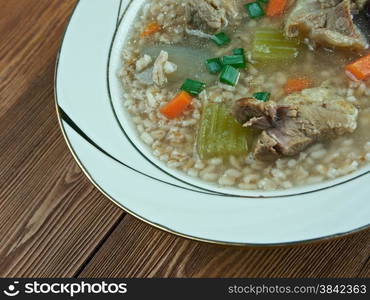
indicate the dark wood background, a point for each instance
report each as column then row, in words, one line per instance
column 53, row 222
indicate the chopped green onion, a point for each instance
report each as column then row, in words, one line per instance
column 214, row 65
column 262, row 96
column 237, row 61
column 239, row 51
column 270, row 44
column 220, row 135
column 230, row 75
column 254, row 10
column 193, row 87
column 221, row 39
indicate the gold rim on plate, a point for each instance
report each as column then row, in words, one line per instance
column 161, row 227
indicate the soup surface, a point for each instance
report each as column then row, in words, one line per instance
column 297, row 86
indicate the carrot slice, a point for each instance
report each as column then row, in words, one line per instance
column 360, row 69
column 177, row 105
column 276, row 8
column 151, row 29
column 297, row 84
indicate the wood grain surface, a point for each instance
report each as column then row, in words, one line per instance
column 53, row 222
column 51, row 218
column 136, row 250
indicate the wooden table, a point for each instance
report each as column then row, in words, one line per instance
column 53, row 222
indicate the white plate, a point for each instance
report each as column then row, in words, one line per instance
column 104, row 143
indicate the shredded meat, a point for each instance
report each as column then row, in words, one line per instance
column 162, row 67
column 329, row 23
column 210, row 15
column 159, row 74
column 290, row 126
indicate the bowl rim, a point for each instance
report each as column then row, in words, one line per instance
column 60, row 118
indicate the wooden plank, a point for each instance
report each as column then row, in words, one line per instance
column 365, row 270
column 136, row 249
column 51, row 218
column 30, row 36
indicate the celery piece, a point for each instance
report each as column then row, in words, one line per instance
column 205, row 128
column 271, row 45
column 219, row 134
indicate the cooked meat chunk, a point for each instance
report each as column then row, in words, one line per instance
column 161, row 68
column 265, row 148
column 328, row 23
column 299, row 120
column 210, row 15
column 143, row 62
column 231, row 7
column 159, row 75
